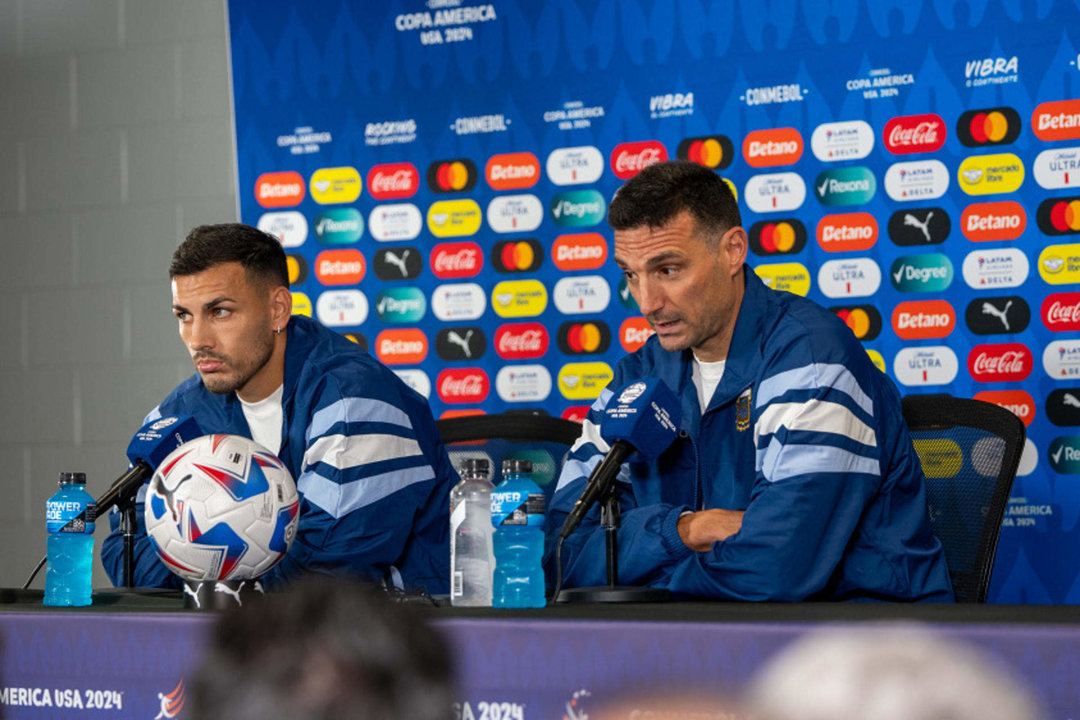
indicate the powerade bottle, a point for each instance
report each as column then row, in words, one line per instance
column 471, row 559
column 69, row 518
column 517, row 511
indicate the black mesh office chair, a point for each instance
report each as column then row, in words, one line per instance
column 970, row 451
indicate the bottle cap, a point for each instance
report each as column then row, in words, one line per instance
column 516, row 465
column 73, row 477
column 476, row 466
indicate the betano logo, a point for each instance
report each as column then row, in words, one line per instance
column 844, row 233
column 1058, row 168
column 1018, row 402
column 633, row 333
column 515, row 213
column 578, row 208
column 988, row 174
column 516, row 256
column 848, row 140
column 1059, row 216
column 332, row 186
column 930, row 272
column 1060, row 264
column 792, row 277
column 584, row 338
column 712, row 151
column 778, row 192
column 939, row 457
column 1003, row 220
column 451, row 176
column 512, row 171
column 574, row 165
column 845, row 186
column 772, row 147
column 456, row 260
column 393, row 181
column 991, row 126
column 519, row 298
column 779, row 237
column 855, row 277
column 929, row 365
column 918, row 320
column 584, row 381
column 1059, row 120
column 628, row 159
column 339, row 226
column 400, row 305
column 454, row 218
column 583, row 251
column 864, row 320
column 340, row 267
column 401, row 347
column 914, row 134
column 279, row 189
column 301, row 304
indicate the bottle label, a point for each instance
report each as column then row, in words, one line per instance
column 457, row 517
column 62, row 516
column 513, row 507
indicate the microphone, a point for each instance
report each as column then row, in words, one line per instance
column 645, row 417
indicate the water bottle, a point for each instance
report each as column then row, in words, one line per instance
column 517, row 511
column 471, row 558
column 69, row 519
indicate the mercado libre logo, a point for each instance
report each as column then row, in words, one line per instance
column 452, row 176
column 990, row 126
column 864, row 320
column 777, row 237
column 1059, row 216
column 712, row 151
column 331, row 186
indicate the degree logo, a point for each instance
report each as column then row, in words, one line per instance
column 844, row 233
column 340, row 267
column 1058, row 168
column 515, row 213
column 519, row 298
column 398, row 263
column 1002, row 268
column 584, row 381
column 1058, row 120
column 400, row 305
column 458, row 301
column 997, row 315
column 919, row 180
column 1063, row 407
column 461, row 343
column 521, row 341
column 1060, row 264
column 992, row 126
column 633, row 333
column 779, row 237
column 923, row 226
column 931, row 365
column 583, row 251
column 298, row 269
column 1061, row 312
column 584, row 338
column 453, row 218
column 628, row 159
column 523, row 383
column 401, row 347
column 395, row 222
column 1007, row 362
column 279, row 189
column 918, row 320
column 989, row 174
column 456, row 260
column 1059, row 216
column 1018, row 402
column 582, row 294
column 1004, row 220
column 339, row 226
column 914, row 134
column 792, row 277
column 931, row 272
column 855, row 277
column 463, row 385
column 393, row 181
column 778, row 192
column 301, row 304
column 578, row 208
column 575, row 166
column 845, row 186
column 330, row 186
column 1064, row 455
column 864, row 320
column 712, row 151
column 451, row 176
column 512, row 171
column 290, row 228
column 849, row 140
column 517, row 256
column 341, row 308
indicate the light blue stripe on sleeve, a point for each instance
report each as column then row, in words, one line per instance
column 340, row 500
column 780, row 462
column 813, row 376
column 355, row 409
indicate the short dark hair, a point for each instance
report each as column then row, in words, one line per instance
column 207, row 246
column 660, row 192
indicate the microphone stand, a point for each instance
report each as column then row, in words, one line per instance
column 128, row 525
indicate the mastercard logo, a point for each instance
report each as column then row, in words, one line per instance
column 450, row 176
column 712, row 151
column 515, row 256
column 634, row 332
column 864, row 320
column 583, row 338
column 777, row 237
column 992, row 126
column 298, row 269
column 1059, row 216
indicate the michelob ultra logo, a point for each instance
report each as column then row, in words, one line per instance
column 1064, row 455
column 864, row 320
column 1018, row 402
column 301, row 304
column 992, row 126
column 919, row 226
column 931, row 272
column 451, row 176
column 512, row 171
column 341, row 308
column 583, row 251
column 845, row 186
column 575, row 165
column 772, row 147
column 712, row 151
column 582, row 294
column 340, row 267
column 584, row 381
column 792, row 277
column 778, row 237
column 1001, row 268
column 578, row 208
column 919, row 180
column 330, row 186
column 453, row 218
column 279, row 189
column 1058, row 168
column 1058, row 216
column 1059, row 120
column 415, row 379
column 1060, row 264
column 519, row 298
column 393, row 181
column 855, row 277
column 849, row 140
column 931, row 365
column 633, row 333
column 778, row 192
column 583, row 338
column 298, row 268
column 400, row 305
column 523, row 383
column 988, row 174
column 939, row 457
column 515, row 256
column 401, row 347
column 1004, row 220
column 918, row 320
column 339, row 226
column 844, row 233
column 290, row 228
column 395, row 222
column 515, row 213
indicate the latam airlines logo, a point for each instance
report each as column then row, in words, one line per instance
column 393, row 181
column 779, row 192
column 342, row 308
column 279, row 189
column 401, row 347
column 843, row 233
column 1063, row 407
column 1056, row 216
column 340, row 267
column 1058, row 168
column 1061, row 312
column 339, row 226
column 1060, row 264
column 923, row 319
column 331, row 186
column 400, row 305
column 863, row 320
column 451, row 176
column 992, row 126
column 1004, row 220
column 458, row 301
column 920, row 180
column 399, row 263
column 932, row 365
column 914, row 134
column 790, row 277
column 453, row 218
column 628, row 159
column 845, row 186
column 463, row 385
column 523, row 383
column 290, row 228
column 521, row 341
column 1061, row 359
column 515, row 213
column 583, row 251
column 932, row 272
column 388, row 223
column 517, row 256
column 456, row 260
column 574, row 166
column 712, row 151
column 634, row 332
column 1007, row 362
column 923, row 226
column 1002, row 268
column 769, row 148
column 988, row 174
column 850, row 140
column 582, row 294
column 461, row 343
column 578, row 208
column 997, row 315
column 1058, row 120
column 512, row 171
column 856, row 277
column 780, row 237
column 1018, row 402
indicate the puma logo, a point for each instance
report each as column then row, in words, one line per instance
column 158, row 486
column 990, row 309
column 462, row 342
column 924, row 225
column 1070, row 399
column 398, row 262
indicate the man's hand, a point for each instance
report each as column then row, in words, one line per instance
column 699, row 530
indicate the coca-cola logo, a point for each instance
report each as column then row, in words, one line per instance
column 394, row 180
column 456, row 260
column 521, row 341
column 628, row 159
column 998, row 363
column 914, row 134
column 1061, row 311
column 463, row 385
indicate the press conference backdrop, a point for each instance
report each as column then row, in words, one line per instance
column 439, row 171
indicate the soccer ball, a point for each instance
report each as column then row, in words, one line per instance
column 221, row 507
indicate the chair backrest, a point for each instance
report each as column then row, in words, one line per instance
column 541, row 439
column 969, row 451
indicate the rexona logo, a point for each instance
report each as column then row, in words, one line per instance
column 920, row 180
column 1061, row 359
column 463, row 385
column 1064, row 455
column 932, row 365
column 864, row 320
column 1002, row 268
column 925, row 319
column 279, row 189
column 1056, row 216
column 512, row 171
column 340, row 226
column 1058, row 168
column 456, row 260
column 578, row 208
column 845, row 186
column 1063, row 407
column 521, row 341
column 932, row 272
column 1060, row 264
column 997, row 315
column 301, row 304
column 516, row 256
column 1007, row 362
column 584, row 381
column 779, row 237
column 519, row 298
column 340, row 267
column 395, row 222
column 769, row 148
column 924, row 226
column 791, row 277
column 398, row 263
column 393, row 181
column 1058, row 120
column 451, row 176
column 583, row 251
column 298, row 269
column 341, row 308
column 914, row 134
column 992, row 126
column 575, row 165
column 1061, row 312
column 400, row 305
column 779, row 192
column 857, row 277
column 515, row 213
column 401, row 347
column 634, row 332
column 849, row 140
column 453, row 218
column 628, row 159
column 523, row 383
column 582, row 294
column 458, row 301
column 290, row 228
column 1004, row 220
column 712, row 151
column 461, row 343
column 988, row 174
column 584, row 338
column 330, row 186
column 844, row 233
column 1018, row 402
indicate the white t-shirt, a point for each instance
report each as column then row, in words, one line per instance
column 706, row 376
column 265, row 418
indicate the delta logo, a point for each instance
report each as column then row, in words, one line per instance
column 574, row 165
column 456, row 260
column 713, row 151
column 298, row 269
column 845, row 186
column 1058, row 169
column 454, row 218
column 332, row 186
column 930, row 365
column 1004, row 220
column 1061, row 312
column 521, row 341
column 1059, row 216
column 931, row 272
column 517, row 256
column 340, row 267
column 515, row 213
column 914, row 134
column 923, row 226
column 584, row 381
column 461, row 343
column 863, row 320
column 634, row 332
column 519, row 298
column 1061, row 359
column 992, row 126
column 844, row 233
column 393, row 181
column 918, row 180
column 1059, row 120
column 1060, row 264
column 512, row 171
column 790, row 277
column 451, row 176
column 401, row 347
column 772, row 147
column 1007, row 362
column 628, row 159
column 279, row 189
column 400, row 305
column 1008, row 314
column 778, row 237
column 855, row 277
column 583, row 338
column 582, row 251
column 463, row 385
column 777, row 192
column 920, row 320
column 1006, row 267
column 398, row 263
column 847, row 140
column 1018, row 402
column 990, row 174
column 523, row 383
column 455, row 302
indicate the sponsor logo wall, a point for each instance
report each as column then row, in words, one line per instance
column 439, row 173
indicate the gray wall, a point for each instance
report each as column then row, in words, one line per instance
column 115, row 138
